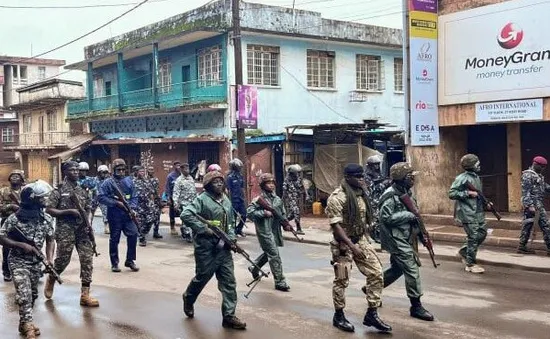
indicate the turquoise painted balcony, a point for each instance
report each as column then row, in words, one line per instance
column 187, row 95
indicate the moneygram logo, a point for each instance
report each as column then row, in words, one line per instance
column 425, row 52
column 510, row 36
column 424, row 77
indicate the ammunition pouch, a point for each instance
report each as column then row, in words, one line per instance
column 341, row 269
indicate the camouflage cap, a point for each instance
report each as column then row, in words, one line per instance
column 210, row 176
column 400, row 170
column 469, row 161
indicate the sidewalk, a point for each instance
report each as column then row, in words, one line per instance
column 317, row 232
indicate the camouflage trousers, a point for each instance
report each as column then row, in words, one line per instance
column 293, row 210
column 370, row 267
column 528, row 227
column 25, row 278
column 103, row 209
column 68, row 238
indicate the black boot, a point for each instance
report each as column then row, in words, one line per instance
column 188, row 308
column 142, row 242
column 234, row 323
column 157, row 235
column 524, row 250
column 418, row 311
column 371, row 319
column 339, row 321
column 131, row 265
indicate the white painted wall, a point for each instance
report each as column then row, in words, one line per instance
column 292, row 103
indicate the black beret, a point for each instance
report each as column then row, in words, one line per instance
column 353, row 169
column 69, row 164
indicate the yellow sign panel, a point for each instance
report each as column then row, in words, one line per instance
column 423, row 25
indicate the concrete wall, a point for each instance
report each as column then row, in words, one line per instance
column 58, row 90
column 293, row 103
column 11, row 96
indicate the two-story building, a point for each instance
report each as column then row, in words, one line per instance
column 45, row 138
column 167, row 87
column 17, row 72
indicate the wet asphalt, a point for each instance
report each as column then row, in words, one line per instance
column 502, row 303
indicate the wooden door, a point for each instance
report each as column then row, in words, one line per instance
column 258, row 162
column 39, row 168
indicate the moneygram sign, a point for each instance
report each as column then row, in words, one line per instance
column 497, row 52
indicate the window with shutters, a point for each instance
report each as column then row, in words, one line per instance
column 370, row 73
column 262, row 65
column 165, row 76
column 398, row 74
column 210, row 66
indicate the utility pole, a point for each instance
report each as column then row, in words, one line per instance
column 241, row 140
column 407, row 80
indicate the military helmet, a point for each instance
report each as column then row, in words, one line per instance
column 236, row 163
column 214, row 167
column 33, row 192
column 103, row 168
column 400, row 170
column 210, row 176
column 118, row 162
column 266, row 177
column 17, row 172
column 83, row 166
column 469, row 161
column 295, row 168
column 374, row 159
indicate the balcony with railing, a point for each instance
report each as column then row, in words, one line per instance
column 191, row 94
column 44, row 140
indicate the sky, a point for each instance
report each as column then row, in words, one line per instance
column 30, row 31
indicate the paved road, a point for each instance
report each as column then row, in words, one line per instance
column 502, row 303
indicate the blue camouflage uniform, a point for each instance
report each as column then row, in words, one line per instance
column 119, row 220
column 533, row 190
column 235, row 185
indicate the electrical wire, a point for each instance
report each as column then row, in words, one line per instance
column 78, row 6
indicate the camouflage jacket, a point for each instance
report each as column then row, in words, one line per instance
column 467, row 210
column 37, row 230
column 5, row 200
column 336, row 211
column 155, row 182
column 184, row 191
column 293, row 189
column 145, row 194
column 89, row 184
column 376, row 185
column 60, row 198
column 533, row 188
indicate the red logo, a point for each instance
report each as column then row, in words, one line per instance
column 510, row 36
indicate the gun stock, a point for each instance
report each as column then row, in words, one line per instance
column 425, row 236
column 84, row 216
column 49, row 268
column 127, row 208
column 484, row 200
column 285, row 223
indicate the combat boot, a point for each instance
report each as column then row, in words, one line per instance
column 188, row 308
column 86, row 300
column 524, row 250
column 131, row 265
column 28, row 330
column 157, row 235
column 283, row 287
column 142, row 242
column 48, row 288
column 339, row 321
column 371, row 319
column 36, row 329
column 418, row 311
column 234, row 323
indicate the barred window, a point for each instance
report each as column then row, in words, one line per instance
column 210, row 66
column 27, row 123
column 398, row 74
column 370, row 73
column 165, row 76
column 320, row 69
column 51, row 118
column 263, row 65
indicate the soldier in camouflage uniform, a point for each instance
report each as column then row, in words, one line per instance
column 155, row 183
column 349, row 215
column 235, row 186
column 533, row 190
column 268, row 231
column 469, row 211
column 32, row 223
column 70, row 232
column 398, row 229
column 89, row 184
column 293, row 194
column 376, row 185
column 7, row 208
column 146, row 204
column 184, row 193
column 210, row 258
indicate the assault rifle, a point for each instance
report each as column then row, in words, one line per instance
column 224, row 240
column 84, row 216
column 484, row 200
column 284, row 221
column 21, row 237
column 120, row 197
column 424, row 236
